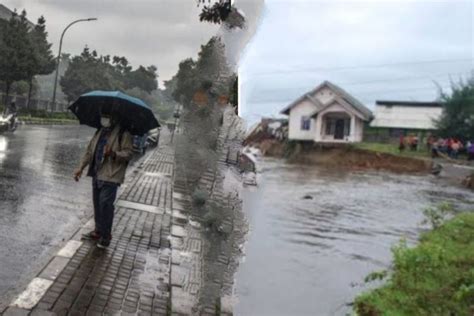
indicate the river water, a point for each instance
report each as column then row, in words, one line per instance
column 309, row 256
column 40, row 204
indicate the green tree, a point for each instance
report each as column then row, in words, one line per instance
column 210, row 73
column 186, row 81
column 143, row 78
column 87, row 72
column 457, row 119
column 216, row 11
column 16, row 52
column 43, row 62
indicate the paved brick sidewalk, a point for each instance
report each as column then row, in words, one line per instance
column 132, row 276
column 204, row 263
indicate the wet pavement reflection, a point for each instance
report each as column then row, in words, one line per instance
column 40, row 204
column 315, row 234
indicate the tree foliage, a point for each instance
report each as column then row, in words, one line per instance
column 457, row 119
column 221, row 12
column 89, row 71
column 43, row 62
column 209, row 74
column 24, row 52
column 17, row 58
column 215, row 12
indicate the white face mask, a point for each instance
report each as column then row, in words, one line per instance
column 105, row 121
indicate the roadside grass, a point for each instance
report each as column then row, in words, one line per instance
column 434, row 278
column 393, row 149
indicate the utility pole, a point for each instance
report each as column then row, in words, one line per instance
column 53, row 107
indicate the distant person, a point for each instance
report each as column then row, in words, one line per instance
column 414, row 143
column 430, row 141
column 11, row 110
column 455, row 147
column 470, row 150
column 435, row 149
column 107, row 156
column 401, row 145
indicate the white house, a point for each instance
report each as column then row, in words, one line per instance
column 327, row 114
column 406, row 115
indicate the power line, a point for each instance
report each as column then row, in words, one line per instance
column 364, row 66
column 399, row 90
column 403, row 78
column 407, row 79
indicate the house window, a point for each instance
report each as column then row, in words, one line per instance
column 305, row 123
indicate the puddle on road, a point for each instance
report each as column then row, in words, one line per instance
column 40, row 204
column 304, row 255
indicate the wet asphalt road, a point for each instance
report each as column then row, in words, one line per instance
column 310, row 256
column 40, row 204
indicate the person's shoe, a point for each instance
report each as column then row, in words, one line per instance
column 103, row 243
column 93, row 235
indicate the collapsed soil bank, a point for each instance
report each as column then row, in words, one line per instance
column 342, row 156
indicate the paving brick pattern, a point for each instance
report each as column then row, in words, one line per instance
column 132, row 276
column 203, row 264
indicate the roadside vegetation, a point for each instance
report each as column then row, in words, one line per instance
column 434, row 278
column 393, row 149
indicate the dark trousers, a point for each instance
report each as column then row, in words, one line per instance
column 103, row 196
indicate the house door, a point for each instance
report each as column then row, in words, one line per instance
column 339, row 132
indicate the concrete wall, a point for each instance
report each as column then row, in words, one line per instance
column 304, row 108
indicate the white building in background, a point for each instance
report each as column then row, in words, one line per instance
column 327, row 114
column 402, row 116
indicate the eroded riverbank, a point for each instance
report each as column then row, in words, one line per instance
column 310, row 256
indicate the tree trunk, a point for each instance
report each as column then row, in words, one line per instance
column 30, row 88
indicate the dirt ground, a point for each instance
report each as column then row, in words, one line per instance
column 344, row 157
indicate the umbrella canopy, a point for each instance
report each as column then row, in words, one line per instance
column 134, row 114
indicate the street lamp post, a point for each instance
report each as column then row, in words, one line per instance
column 59, row 57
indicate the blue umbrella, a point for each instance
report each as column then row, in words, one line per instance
column 134, row 114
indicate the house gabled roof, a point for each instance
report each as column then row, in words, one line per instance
column 340, row 101
column 308, row 96
column 351, row 100
column 366, row 113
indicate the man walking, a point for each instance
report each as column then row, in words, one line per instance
column 107, row 156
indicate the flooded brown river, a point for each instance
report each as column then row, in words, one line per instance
column 309, row 256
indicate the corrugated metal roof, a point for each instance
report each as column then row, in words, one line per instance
column 407, row 117
column 408, row 103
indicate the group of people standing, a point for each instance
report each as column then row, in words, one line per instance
column 410, row 141
column 450, row 146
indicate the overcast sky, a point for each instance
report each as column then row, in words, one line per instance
column 301, row 43
column 158, row 32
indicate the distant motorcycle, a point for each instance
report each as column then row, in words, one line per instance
column 8, row 123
